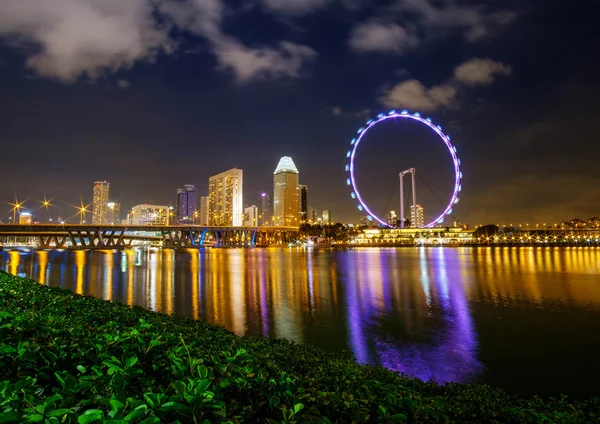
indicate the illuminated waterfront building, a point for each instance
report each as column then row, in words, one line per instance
column 203, row 211
column 100, row 202
column 150, row 215
column 286, row 205
column 186, row 204
column 303, row 202
column 326, row 217
column 251, row 216
column 225, row 198
column 419, row 217
column 25, row 218
column 113, row 213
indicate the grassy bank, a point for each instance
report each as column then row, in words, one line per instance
column 66, row 358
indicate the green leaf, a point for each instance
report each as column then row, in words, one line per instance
column 58, row 412
column 116, row 405
column 137, row 412
column 132, row 361
column 81, row 369
column 202, row 386
column 203, row 371
column 35, row 418
column 90, row 415
column 399, row 418
column 298, row 407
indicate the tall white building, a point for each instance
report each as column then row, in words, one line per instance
column 150, row 215
column 100, row 203
column 286, row 199
column 203, row 219
column 420, row 220
column 251, row 216
column 225, row 199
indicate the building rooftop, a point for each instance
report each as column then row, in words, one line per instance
column 286, row 164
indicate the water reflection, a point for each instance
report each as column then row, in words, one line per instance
column 441, row 314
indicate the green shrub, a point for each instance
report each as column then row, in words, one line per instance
column 66, row 358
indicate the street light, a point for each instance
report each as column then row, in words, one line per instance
column 17, row 206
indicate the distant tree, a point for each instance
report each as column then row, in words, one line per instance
column 486, row 230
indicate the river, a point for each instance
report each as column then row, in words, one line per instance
column 523, row 319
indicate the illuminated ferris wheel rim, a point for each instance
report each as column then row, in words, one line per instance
column 416, row 116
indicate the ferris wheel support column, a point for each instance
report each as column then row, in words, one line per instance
column 402, row 200
column 414, row 193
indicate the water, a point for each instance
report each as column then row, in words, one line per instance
column 523, row 319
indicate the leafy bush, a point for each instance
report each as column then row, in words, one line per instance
column 66, row 358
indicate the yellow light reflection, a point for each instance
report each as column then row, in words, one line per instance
column 80, row 270
column 194, row 269
column 42, row 258
column 130, row 258
column 108, row 275
column 13, row 262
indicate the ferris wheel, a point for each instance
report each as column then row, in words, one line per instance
column 416, row 116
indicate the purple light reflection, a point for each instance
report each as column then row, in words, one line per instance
column 449, row 350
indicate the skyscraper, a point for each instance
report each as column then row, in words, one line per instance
column 203, row 211
column 303, row 202
column 266, row 209
column 100, row 202
column 225, row 198
column 326, row 217
column 420, row 219
column 113, row 214
column 286, row 197
column 186, row 204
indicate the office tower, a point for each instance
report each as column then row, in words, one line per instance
column 225, row 198
column 420, row 220
column 266, row 209
column 251, row 216
column 150, row 215
column 100, row 202
column 186, row 204
column 326, row 217
column 286, row 207
column 25, row 218
column 303, row 202
column 203, row 211
column 113, row 213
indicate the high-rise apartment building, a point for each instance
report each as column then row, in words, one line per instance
column 203, row 211
column 286, row 205
column 303, row 202
column 150, row 215
column 266, row 209
column 100, row 202
column 186, row 204
column 225, row 198
column 420, row 219
column 113, row 213
column 251, row 216
column 326, row 217
column 392, row 218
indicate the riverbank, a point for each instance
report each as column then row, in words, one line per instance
column 70, row 358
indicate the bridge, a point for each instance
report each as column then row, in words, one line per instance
column 72, row 236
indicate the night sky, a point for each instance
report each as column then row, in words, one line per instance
column 154, row 94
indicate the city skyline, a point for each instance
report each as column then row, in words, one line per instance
column 518, row 99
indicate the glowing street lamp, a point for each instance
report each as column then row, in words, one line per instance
column 81, row 211
column 17, row 206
